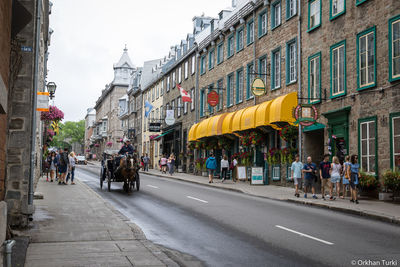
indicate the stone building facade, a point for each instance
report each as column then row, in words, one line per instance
column 350, row 72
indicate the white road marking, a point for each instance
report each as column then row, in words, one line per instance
column 198, row 199
column 305, row 235
column 152, row 186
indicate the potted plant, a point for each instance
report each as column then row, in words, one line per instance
column 204, row 169
column 391, row 184
column 368, row 184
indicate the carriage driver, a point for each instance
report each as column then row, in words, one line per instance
column 127, row 148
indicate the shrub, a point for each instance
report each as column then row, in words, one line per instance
column 391, row 180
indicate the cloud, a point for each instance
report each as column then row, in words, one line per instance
column 89, row 36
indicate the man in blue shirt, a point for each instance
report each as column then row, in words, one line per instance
column 296, row 174
column 309, row 170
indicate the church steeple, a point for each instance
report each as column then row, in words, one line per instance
column 123, row 68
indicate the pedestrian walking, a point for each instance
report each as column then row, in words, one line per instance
column 163, row 163
column 296, row 168
column 345, row 177
column 146, row 162
column 336, row 170
column 71, row 168
column 233, row 168
column 224, row 167
column 171, row 163
column 354, row 173
column 324, row 174
column 63, row 166
column 211, row 165
column 53, row 162
column 309, row 170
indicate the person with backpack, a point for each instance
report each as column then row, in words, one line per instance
column 211, row 165
column 63, row 165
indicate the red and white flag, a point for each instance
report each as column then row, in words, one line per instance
column 185, row 95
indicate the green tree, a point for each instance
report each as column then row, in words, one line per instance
column 70, row 132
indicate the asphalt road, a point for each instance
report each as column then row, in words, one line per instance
column 224, row 228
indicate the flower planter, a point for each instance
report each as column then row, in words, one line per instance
column 180, row 169
column 385, row 196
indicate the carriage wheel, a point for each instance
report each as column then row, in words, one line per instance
column 101, row 178
column 137, row 182
column 109, row 181
column 126, row 187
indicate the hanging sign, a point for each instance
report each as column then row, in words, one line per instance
column 257, row 175
column 154, row 126
column 258, row 87
column 306, row 114
column 42, row 101
column 213, row 98
column 169, row 118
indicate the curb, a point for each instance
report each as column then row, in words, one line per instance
column 361, row 213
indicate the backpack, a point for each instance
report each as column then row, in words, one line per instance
column 231, row 166
column 63, row 159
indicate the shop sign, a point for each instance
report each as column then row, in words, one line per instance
column 258, row 87
column 306, row 114
column 169, row 118
column 213, row 98
column 241, row 172
column 154, row 126
column 257, row 175
column 42, row 101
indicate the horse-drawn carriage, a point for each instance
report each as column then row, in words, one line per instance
column 117, row 168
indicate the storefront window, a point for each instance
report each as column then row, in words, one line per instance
column 367, row 135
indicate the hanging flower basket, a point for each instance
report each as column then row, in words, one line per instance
column 109, row 144
column 96, row 145
column 289, row 132
column 87, row 150
column 54, row 114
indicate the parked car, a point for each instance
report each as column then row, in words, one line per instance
column 81, row 160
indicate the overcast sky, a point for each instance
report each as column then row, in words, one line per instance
column 89, row 37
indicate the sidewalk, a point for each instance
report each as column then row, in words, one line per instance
column 74, row 226
column 380, row 210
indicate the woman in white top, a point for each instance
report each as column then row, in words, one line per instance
column 336, row 170
column 224, row 167
column 71, row 166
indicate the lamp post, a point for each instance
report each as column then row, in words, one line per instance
column 51, row 88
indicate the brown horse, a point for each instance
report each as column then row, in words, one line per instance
column 128, row 171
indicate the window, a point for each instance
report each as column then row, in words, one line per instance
column 230, row 90
column 220, row 53
column 230, row 46
column 180, row 74
column 179, row 105
column 262, row 23
column 161, row 113
column 239, row 86
column 173, row 79
column 186, row 69
column 314, row 14
column 173, row 106
column 291, row 8
column 153, row 94
column 395, row 140
column 193, row 64
column 291, row 61
column 239, row 40
column 367, row 145
column 276, row 69
column 394, row 48
column 158, row 91
column 168, row 83
column 314, row 78
column 338, row 69
column 250, row 32
column 162, row 88
column 202, row 100
column 262, row 68
column 193, row 99
column 220, row 85
column 203, row 65
column 276, row 14
column 210, row 108
column 250, row 78
column 185, row 107
column 337, row 8
column 211, row 59
column 366, row 59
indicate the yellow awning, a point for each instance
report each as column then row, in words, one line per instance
column 248, row 120
column 227, row 123
column 202, row 129
column 236, row 122
column 215, row 125
column 262, row 114
column 281, row 109
column 192, row 132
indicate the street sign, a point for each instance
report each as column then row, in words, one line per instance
column 154, row 126
column 213, row 98
column 257, row 175
column 42, row 101
column 258, row 87
column 169, row 118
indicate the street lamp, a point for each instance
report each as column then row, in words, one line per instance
column 51, row 88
